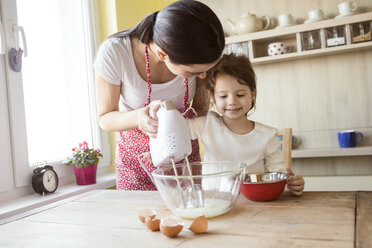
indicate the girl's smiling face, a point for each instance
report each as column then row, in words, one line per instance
column 233, row 100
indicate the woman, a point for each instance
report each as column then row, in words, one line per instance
column 165, row 56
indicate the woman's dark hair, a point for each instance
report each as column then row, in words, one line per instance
column 188, row 31
column 237, row 66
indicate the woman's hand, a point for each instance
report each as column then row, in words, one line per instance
column 296, row 183
column 148, row 121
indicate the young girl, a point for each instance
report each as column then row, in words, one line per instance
column 230, row 135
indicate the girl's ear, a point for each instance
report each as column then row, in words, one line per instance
column 254, row 94
column 161, row 54
column 213, row 101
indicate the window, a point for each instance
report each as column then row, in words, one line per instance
column 55, row 82
column 48, row 107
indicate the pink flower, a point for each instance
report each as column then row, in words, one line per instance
column 98, row 150
column 83, row 145
column 74, row 149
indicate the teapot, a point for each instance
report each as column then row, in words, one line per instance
column 248, row 23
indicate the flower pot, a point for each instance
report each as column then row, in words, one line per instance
column 85, row 175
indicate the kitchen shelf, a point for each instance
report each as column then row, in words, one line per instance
column 332, row 152
column 257, row 42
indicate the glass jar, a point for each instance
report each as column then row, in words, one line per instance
column 237, row 48
column 361, row 31
column 311, row 40
column 335, row 36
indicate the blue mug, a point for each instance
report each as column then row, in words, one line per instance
column 280, row 138
column 349, row 138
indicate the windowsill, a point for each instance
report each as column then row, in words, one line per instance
column 11, row 209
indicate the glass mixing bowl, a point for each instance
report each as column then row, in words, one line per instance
column 211, row 190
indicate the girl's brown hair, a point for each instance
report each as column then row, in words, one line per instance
column 237, row 66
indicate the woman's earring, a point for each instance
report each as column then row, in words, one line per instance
column 162, row 55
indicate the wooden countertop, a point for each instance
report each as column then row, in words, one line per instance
column 109, row 218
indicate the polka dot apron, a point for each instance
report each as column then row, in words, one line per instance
column 131, row 144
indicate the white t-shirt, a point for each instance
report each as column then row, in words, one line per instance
column 115, row 64
column 260, row 148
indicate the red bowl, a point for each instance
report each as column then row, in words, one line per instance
column 264, row 186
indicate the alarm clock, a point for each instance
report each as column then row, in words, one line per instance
column 44, row 180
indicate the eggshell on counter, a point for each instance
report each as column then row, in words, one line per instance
column 152, row 224
column 146, row 212
column 170, row 227
column 199, row 225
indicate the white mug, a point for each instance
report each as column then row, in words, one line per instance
column 277, row 48
column 346, row 8
column 316, row 14
column 285, row 20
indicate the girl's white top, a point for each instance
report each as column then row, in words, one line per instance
column 115, row 64
column 260, row 148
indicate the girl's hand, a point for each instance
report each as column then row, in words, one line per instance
column 148, row 121
column 296, row 183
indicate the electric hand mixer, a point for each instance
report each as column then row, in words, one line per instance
column 172, row 144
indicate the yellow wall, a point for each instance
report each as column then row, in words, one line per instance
column 130, row 12
column 116, row 15
column 107, row 20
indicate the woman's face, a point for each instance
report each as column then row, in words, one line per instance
column 186, row 71
column 233, row 100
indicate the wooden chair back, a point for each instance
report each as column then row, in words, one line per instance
column 286, row 133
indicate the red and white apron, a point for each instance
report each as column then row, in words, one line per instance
column 130, row 144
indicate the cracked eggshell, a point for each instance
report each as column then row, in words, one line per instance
column 170, row 227
column 146, row 212
column 152, row 224
column 199, row 225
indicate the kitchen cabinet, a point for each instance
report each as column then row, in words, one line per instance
column 317, row 92
column 255, row 44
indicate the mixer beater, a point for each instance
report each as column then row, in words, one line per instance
column 172, row 144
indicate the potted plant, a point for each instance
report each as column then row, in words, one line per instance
column 84, row 161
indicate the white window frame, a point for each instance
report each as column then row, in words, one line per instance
column 6, row 172
column 15, row 171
